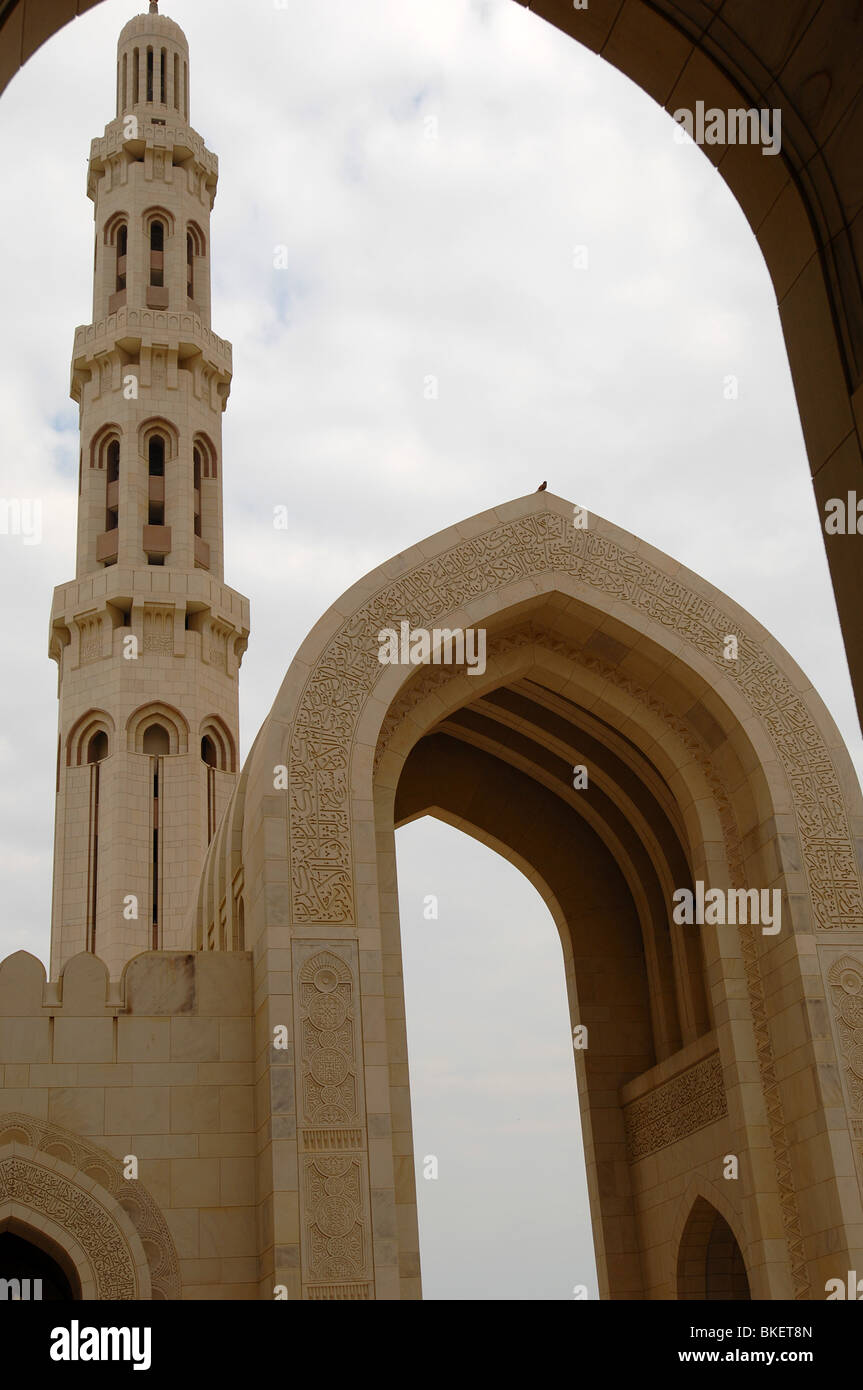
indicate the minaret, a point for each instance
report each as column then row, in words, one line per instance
column 147, row 637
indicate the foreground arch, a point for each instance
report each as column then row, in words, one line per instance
column 703, row 1041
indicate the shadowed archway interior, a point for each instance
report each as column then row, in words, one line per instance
column 36, row 1266
column 710, row 1265
column 593, row 823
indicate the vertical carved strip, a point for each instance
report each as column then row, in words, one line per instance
column 331, row 1123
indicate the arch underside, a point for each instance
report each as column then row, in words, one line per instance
column 619, row 962
column 507, row 767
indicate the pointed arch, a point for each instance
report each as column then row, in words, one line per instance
column 100, row 446
column 199, row 241
column 709, row 1261
column 157, row 425
column 156, row 713
column 82, row 732
column 216, row 730
column 591, row 638
column 158, row 214
column 208, row 456
column 112, row 227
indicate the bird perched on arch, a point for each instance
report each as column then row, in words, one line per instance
column 542, row 487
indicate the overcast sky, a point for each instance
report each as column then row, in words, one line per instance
column 431, row 166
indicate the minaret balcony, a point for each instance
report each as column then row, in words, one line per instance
column 157, row 540
column 157, row 297
column 112, row 498
column 202, row 553
column 116, row 301
column 135, row 328
column 107, row 545
column 156, row 489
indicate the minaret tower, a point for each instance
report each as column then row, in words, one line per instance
column 147, row 637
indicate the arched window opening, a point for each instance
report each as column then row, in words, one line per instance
column 176, row 81
column 136, row 75
column 149, row 74
column 112, row 487
column 156, row 543
column 125, row 83
column 196, row 469
column 186, row 90
column 190, row 266
column 156, row 456
column 97, row 748
column 83, row 743
column 157, row 741
column 122, row 249
column 163, row 60
column 157, row 253
column 209, row 756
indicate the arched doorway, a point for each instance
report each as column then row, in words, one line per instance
column 34, row 1268
column 710, row 1265
column 601, row 656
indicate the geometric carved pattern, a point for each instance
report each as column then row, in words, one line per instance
column 327, row 1047
column 336, row 1238
column 678, row 1107
column 346, row 673
column 72, row 1206
column 336, row 1230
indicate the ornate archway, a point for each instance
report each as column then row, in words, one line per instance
column 57, row 1186
column 704, row 768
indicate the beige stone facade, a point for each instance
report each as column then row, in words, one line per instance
column 209, row 1097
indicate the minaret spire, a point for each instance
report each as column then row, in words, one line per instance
column 154, row 6
column 147, row 636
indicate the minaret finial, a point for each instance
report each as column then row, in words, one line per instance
column 154, row 6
